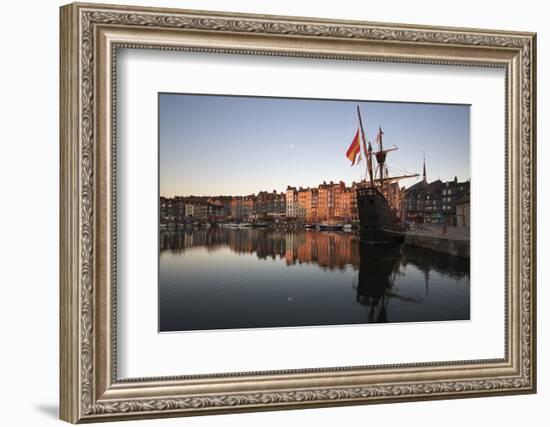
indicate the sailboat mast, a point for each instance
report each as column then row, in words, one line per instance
column 381, row 159
column 368, row 155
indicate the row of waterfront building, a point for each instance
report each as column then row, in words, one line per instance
column 252, row 207
column 434, row 202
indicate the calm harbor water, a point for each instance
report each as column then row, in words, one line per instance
column 223, row 278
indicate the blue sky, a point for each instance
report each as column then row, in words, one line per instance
column 228, row 145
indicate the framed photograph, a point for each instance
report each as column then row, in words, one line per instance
column 266, row 212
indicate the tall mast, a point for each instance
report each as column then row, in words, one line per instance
column 381, row 158
column 369, row 154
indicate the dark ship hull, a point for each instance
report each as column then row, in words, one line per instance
column 378, row 224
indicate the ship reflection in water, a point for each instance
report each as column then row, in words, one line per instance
column 223, row 278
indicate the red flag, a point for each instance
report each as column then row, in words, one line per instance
column 354, row 149
column 365, row 147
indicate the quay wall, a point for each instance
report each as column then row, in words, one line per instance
column 456, row 247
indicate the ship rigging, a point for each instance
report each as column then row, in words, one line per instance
column 378, row 198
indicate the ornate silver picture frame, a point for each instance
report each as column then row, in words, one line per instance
column 91, row 35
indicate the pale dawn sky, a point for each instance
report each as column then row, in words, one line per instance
column 231, row 145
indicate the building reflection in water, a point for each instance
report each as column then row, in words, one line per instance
column 377, row 266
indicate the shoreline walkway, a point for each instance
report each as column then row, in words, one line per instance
column 450, row 240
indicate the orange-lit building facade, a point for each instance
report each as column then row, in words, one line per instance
column 328, row 202
column 307, row 204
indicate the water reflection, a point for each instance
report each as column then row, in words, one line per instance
column 377, row 276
